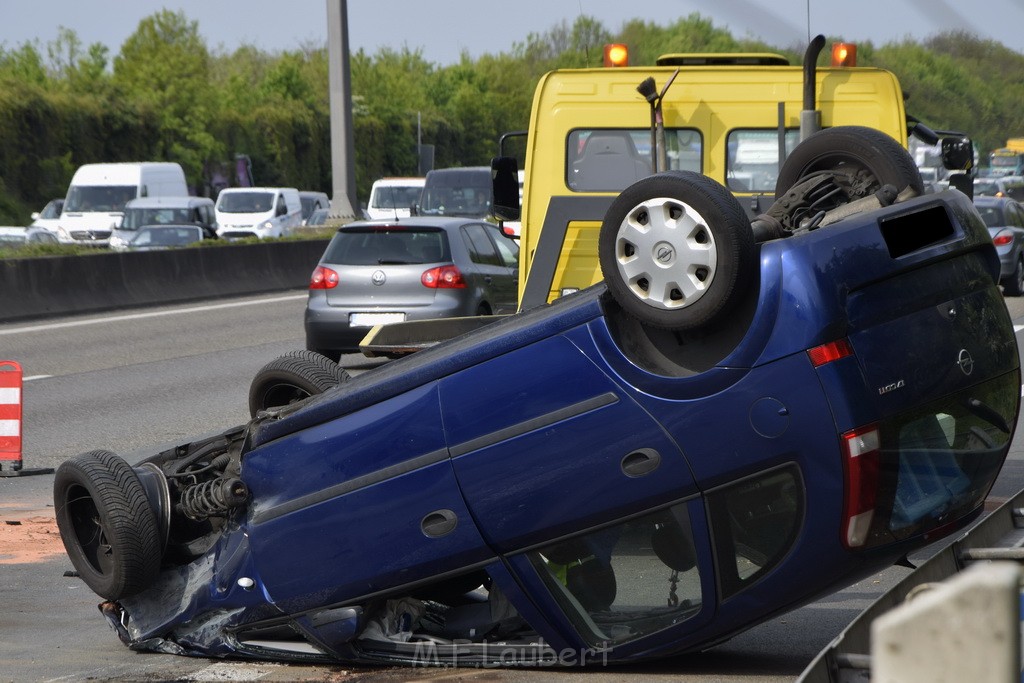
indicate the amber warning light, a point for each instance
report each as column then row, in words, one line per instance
column 616, row 54
column 844, row 54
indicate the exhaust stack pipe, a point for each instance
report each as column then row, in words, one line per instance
column 810, row 117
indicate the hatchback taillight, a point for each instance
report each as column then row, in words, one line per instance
column 827, row 353
column 323, row 278
column 861, row 460
column 443, row 277
column 1002, row 239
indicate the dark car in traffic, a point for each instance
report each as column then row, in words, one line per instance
column 461, row 191
column 421, row 268
column 1004, row 218
column 156, row 237
column 722, row 430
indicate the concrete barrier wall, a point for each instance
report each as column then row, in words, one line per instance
column 63, row 285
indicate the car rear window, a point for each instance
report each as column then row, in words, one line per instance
column 376, row 246
column 992, row 215
column 1015, row 192
column 135, row 218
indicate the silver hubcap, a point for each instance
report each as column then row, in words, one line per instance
column 665, row 253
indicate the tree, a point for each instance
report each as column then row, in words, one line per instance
column 23, row 65
column 82, row 72
column 165, row 67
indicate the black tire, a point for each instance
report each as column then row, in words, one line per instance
column 326, row 353
column 861, row 159
column 1015, row 283
column 677, row 251
column 293, row 377
column 107, row 524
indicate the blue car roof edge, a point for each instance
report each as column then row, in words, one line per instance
column 437, row 362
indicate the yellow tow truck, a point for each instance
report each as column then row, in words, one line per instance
column 734, row 117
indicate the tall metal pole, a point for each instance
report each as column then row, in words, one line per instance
column 343, row 147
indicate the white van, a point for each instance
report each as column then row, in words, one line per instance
column 393, row 197
column 149, row 211
column 258, row 212
column 98, row 192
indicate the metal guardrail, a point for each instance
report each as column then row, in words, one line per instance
column 998, row 536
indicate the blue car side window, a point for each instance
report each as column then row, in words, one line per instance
column 754, row 523
column 625, row 581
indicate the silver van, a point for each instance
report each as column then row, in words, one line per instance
column 148, row 211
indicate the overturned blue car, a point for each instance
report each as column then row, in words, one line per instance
column 738, row 420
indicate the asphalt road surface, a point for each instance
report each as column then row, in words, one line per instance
column 136, row 381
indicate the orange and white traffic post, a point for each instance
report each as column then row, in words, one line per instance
column 10, row 421
column 10, row 415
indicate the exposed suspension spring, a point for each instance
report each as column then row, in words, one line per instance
column 213, row 498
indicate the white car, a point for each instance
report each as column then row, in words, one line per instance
column 49, row 217
column 16, row 235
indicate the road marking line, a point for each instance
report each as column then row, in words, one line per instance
column 1018, row 328
column 153, row 314
column 29, row 379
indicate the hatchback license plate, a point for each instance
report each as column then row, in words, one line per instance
column 371, row 319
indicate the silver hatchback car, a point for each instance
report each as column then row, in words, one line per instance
column 380, row 272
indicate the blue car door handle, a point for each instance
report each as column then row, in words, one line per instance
column 641, row 462
column 439, row 523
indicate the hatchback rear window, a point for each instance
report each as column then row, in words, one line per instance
column 370, row 247
column 936, row 462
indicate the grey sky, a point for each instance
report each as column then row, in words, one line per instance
column 442, row 29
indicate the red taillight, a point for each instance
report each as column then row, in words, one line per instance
column 443, row 277
column 861, row 461
column 826, row 353
column 323, row 278
column 1002, row 239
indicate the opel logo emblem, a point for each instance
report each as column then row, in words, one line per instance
column 965, row 362
column 378, row 278
column 664, row 253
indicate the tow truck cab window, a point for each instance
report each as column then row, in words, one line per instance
column 609, row 160
column 752, row 158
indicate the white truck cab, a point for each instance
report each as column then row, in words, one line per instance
column 392, row 198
